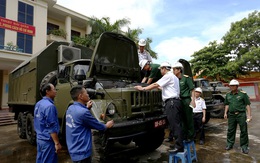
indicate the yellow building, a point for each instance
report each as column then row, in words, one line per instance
column 25, row 27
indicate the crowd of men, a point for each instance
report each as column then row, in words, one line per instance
column 184, row 108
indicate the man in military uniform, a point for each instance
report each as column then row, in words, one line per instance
column 187, row 96
column 155, row 73
column 237, row 105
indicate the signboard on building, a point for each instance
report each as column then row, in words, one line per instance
column 17, row 26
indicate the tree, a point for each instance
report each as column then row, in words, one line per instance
column 243, row 40
column 211, row 62
column 104, row 25
column 133, row 34
column 149, row 49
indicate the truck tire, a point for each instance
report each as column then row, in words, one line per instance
column 150, row 141
column 51, row 77
column 30, row 132
column 21, row 125
column 217, row 114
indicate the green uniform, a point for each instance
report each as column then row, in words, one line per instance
column 237, row 103
column 155, row 73
column 186, row 86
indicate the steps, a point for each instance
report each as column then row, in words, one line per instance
column 6, row 118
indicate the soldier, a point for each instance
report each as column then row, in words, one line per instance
column 170, row 95
column 187, row 96
column 155, row 73
column 237, row 105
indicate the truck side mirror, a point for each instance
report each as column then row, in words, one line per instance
column 61, row 71
column 80, row 75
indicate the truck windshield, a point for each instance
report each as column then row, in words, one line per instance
column 205, row 83
column 80, row 68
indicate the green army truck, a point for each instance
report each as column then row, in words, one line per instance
column 214, row 99
column 109, row 73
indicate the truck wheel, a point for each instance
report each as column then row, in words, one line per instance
column 49, row 78
column 217, row 114
column 21, row 125
column 150, row 141
column 30, row 132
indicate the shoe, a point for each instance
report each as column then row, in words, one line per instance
column 168, row 140
column 175, row 150
column 245, row 150
column 228, row 148
column 201, row 142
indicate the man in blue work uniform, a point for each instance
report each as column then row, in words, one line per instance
column 79, row 122
column 169, row 84
column 46, row 125
column 237, row 105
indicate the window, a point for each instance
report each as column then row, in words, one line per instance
column 2, row 8
column 24, row 42
column 25, row 15
column 2, row 38
column 75, row 33
column 2, row 14
column 50, row 27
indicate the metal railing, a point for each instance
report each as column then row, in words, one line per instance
column 11, row 48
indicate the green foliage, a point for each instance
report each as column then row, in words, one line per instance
column 104, row 25
column 149, row 49
column 210, row 61
column 58, row 32
column 242, row 40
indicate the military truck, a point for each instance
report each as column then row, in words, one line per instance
column 109, row 73
column 214, row 99
column 219, row 87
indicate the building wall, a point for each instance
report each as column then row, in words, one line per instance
column 42, row 12
column 61, row 25
column 40, row 22
column 4, row 89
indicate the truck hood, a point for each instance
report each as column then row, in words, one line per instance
column 115, row 56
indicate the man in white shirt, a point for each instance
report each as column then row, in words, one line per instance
column 169, row 84
column 199, row 115
column 142, row 53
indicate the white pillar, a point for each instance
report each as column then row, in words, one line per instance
column 68, row 28
column 88, row 29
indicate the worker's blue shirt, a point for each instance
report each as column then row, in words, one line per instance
column 79, row 122
column 45, row 119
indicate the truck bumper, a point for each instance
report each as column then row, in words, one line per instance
column 136, row 127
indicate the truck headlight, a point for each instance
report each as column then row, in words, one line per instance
column 111, row 108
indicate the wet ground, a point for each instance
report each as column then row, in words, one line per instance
column 16, row 150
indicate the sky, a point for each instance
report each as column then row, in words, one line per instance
column 178, row 28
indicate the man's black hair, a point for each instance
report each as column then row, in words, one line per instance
column 46, row 87
column 75, row 91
